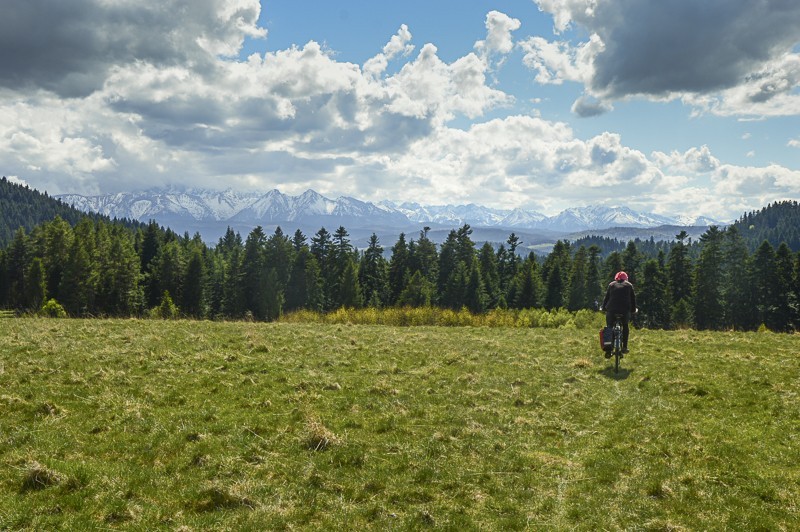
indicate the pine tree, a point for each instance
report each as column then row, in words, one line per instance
column 399, row 266
column 254, row 274
column 35, row 286
column 77, row 286
column 417, row 293
column 349, row 288
column 322, row 250
column 192, row 302
column 631, row 262
column 528, row 286
column 783, row 313
column 490, row 277
column 372, row 274
column 577, row 281
column 475, row 297
column 737, row 292
column 594, row 288
column 707, row 286
column 425, row 257
column 679, row 270
column 652, row 298
column 17, row 263
column 765, row 283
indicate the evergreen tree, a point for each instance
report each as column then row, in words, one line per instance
column 765, row 284
column 528, row 286
column 707, row 286
column 194, row 284
column 372, row 274
column 349, row 288
column 679, row 270
column 652, row 297
column 737, row 292
column 35, row 286
column 613, row 264
column 782, row 316
column 490, row 277
column 77, row 281
column 417, row 293
column 631, row 262
column 578, row 279
column 425, row 257
column 322, row 250
column 17, row 263
column 254, row 274
column 273, row 297
column 594, row 288
column 475, row 298
column 4, row 301
column 57, row 240
column 554, row 297
column 399, row 266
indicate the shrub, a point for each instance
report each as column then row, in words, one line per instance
column 53, row 309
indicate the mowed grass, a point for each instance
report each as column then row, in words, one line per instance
column 203, row 425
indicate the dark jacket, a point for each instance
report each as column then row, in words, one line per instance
column 620, row 298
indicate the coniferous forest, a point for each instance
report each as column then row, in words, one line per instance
column 87, row 266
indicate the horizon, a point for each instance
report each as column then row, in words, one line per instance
column 541, row 105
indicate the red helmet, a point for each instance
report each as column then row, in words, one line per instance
column 621, row 276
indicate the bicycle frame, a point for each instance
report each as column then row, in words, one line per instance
column 617, row 341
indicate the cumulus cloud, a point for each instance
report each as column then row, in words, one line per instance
column 398, row 45
column 69, row 47
column 499, row 40
column 666, row 49
column 794, row 143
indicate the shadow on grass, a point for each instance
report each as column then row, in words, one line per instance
column 621, row 375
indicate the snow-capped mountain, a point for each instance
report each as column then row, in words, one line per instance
column 211, row 212
column 602, row 217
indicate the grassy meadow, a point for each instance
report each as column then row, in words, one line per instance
column 183, row 425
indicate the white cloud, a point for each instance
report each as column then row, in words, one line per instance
column 398, row 45
column 499, row 40
column 794, row 143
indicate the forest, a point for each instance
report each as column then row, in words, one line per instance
column 100, row 267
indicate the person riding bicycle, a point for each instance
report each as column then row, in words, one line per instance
column 620, row 300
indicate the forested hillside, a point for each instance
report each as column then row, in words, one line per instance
column 21, row 206
column 99, row 268
column 775, row 223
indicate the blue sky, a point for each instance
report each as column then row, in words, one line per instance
column 678, row 107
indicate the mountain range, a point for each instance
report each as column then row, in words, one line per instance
column 210, row 212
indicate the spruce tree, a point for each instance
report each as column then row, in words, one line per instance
column 577, row 281
column 399, row 266
column 765, row 284
column 783, row 313
column 372, row 274
column 737, row 288
column 487, row 261
column 707, row 287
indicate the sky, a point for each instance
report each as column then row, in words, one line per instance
column 675, row 107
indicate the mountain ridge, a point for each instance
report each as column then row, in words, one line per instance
column 194, row 207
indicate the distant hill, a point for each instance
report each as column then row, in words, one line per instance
column 22, row 206
column 776, row 223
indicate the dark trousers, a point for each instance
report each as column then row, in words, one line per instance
column 626, row 318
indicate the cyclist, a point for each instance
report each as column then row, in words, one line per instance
column 620, row 300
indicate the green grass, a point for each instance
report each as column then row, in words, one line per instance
column 203, row 425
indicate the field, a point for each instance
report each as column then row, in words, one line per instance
column 202, row 425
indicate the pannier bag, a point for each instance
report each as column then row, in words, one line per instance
column 606, row 337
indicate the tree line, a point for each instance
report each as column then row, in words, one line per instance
column 102, row 268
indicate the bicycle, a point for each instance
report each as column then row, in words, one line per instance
column 616, row 341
